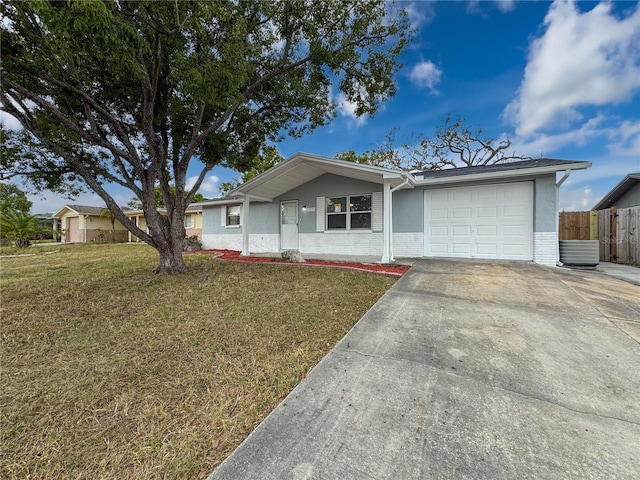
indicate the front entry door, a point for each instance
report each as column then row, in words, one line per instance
column 289, row 225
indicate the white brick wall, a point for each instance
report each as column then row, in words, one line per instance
column 408, row 244
column 258, row 243
column 343, row 243
column 545, row 248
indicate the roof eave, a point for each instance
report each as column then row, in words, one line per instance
column 501, row 174
column 616, row 192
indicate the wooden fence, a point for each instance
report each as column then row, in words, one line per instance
column 578, row 225
column 617, row 229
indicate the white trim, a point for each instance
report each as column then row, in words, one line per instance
column 320, row 209
column 376, row 211
column 386, row 223
column 524, row 172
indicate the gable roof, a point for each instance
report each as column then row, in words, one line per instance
column 304, row 167
column 79, row 209
column 618, row 191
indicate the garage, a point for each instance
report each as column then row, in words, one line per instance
column 485, row 221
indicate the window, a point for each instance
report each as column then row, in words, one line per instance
column 233, row 215
column 351, row 212
column 188, row 221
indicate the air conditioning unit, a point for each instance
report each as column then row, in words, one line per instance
column 583, row 253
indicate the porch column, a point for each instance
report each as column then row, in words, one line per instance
column 386, row 222
column 245, row 227
column 55, row 230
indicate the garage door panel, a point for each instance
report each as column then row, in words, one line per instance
column 461, row 249
column 461, row 231
column 487, row 230
column 439, row 231
column 514, row 231
column 487, row 212
column 461, row 213
column 494, row 221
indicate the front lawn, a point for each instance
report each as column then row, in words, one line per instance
column 109, row 371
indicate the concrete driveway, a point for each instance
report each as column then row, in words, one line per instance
column 468, row 370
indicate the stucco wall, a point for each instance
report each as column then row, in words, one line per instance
column 629, row 199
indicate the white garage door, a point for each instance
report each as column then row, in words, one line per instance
column 489, row 221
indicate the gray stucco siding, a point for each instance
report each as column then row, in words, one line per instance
column 326, row 185
column 631, row 198
column 408, row 211
column 545, row 204
column 263, row 218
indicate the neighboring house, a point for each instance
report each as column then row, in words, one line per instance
column 320, row 205
column 624, row 194
column 619, row 222
column 82, row 224
column 192, row 221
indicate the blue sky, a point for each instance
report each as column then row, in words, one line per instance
column 561, row 79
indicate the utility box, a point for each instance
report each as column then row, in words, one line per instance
column 582, row 253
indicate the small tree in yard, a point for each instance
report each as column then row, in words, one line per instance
column 19, row 227
column 136, row 93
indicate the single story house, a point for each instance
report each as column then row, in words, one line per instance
column 625, row 194
column 192, row 221
column 82, row 224
column 321, row 205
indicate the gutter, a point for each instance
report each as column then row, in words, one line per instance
column 567, row 172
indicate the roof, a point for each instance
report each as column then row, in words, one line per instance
column 618, row 191
column 304, row 167
column 501, row 167
column 540, row 166
column 80, row 210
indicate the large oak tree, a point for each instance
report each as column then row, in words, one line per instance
column 137, row 93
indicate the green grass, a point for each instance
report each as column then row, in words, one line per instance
column 109, row 371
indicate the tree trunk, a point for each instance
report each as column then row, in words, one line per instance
column 169, row 244
column 171, row 262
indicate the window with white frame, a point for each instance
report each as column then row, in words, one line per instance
column 188, row 221
column 233, row 215
column 351, row 212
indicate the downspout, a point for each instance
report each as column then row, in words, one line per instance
column 85, row 228
column 560, row 182
column 397, row 187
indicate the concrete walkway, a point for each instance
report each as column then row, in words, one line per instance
column 621, row 272
column 467, row 370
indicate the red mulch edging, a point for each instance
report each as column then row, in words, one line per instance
column 384, row 269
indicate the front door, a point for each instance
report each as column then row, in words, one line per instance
column 289, row 225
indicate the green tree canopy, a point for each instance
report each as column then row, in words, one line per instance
column 268, row 157
column 12, row 199
column 136, row 204
column 131, row 92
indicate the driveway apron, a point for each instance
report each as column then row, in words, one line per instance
column 468, row 369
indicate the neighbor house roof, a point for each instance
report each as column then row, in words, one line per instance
column 538, row 166
column 618, row 191
column 79, row 209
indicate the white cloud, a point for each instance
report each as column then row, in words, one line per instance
column 348, row 108
column 426, row 74
column 209, row 184
column 625, row 141
column 545, row 144
column 420, row 13
column 582, row 59
column 506, row 5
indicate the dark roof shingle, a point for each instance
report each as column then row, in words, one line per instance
column 506, row 166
